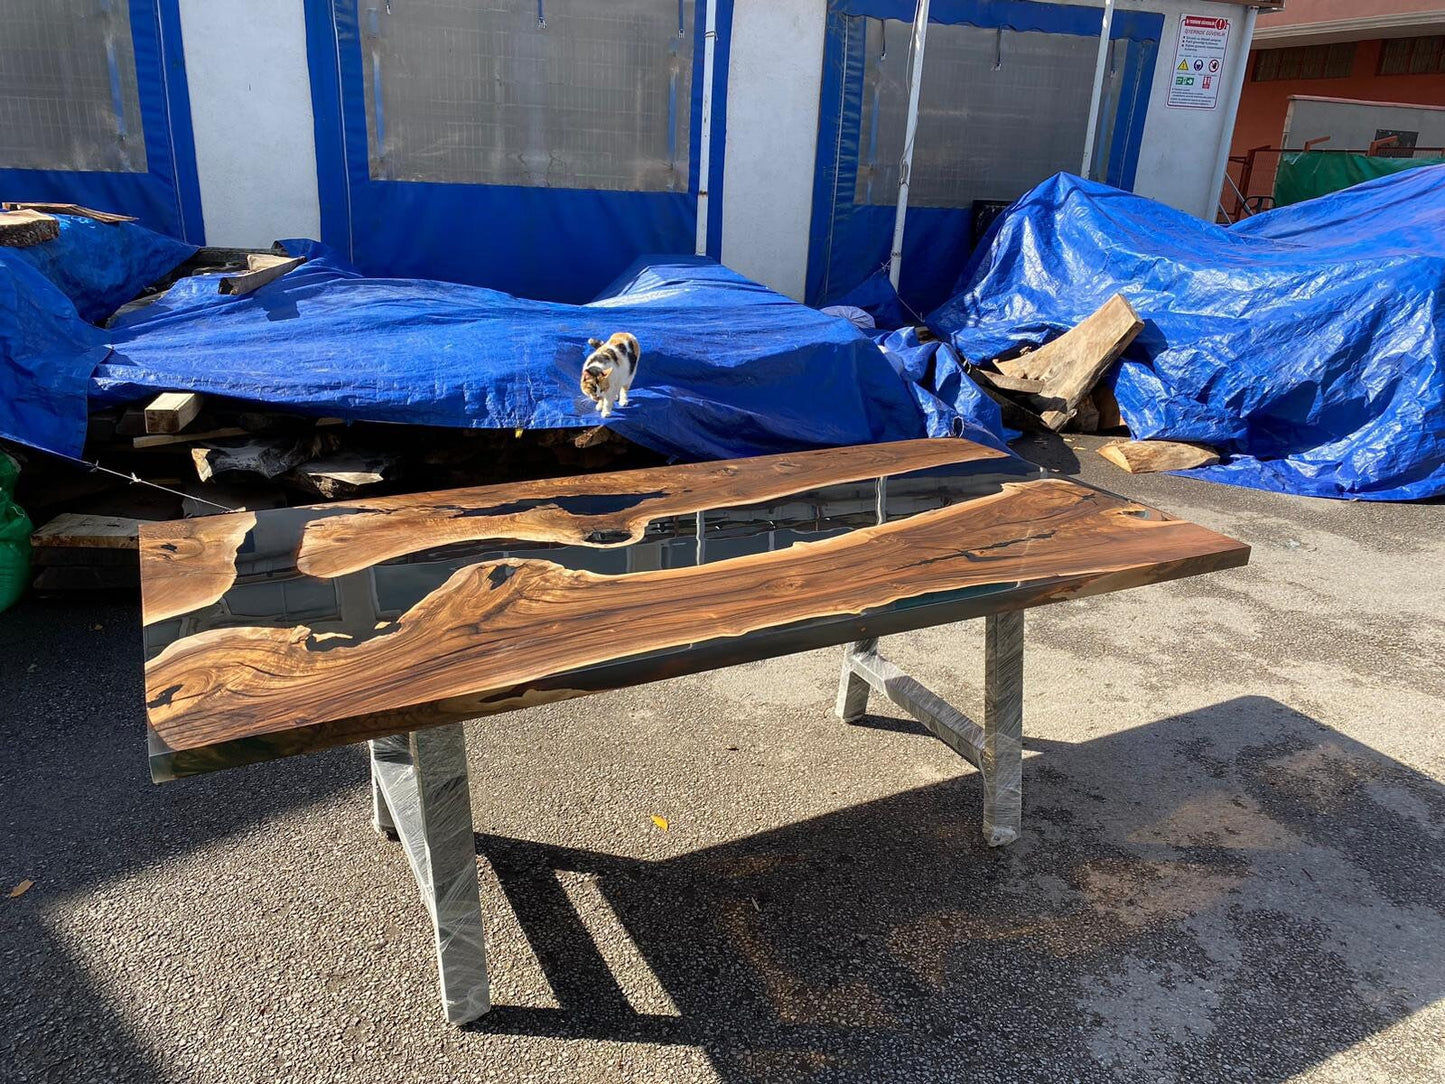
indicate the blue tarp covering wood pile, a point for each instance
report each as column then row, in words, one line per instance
column 729, row 367
column 1307, row 344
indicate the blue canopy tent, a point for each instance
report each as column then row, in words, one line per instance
column 126, row 144
column 541, row 210
column 1025, row 70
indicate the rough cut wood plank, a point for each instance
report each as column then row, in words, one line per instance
column 1146, row 456
column 21, row 229
column 72, row 209
column 72, row 529
column 261, row 270
column 344, row 474
column 1072, row 364
column 172, row 411
column 482, row 620
column 161, row 440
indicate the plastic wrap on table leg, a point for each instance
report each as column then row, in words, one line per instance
column 1001, row 761
column 853, row 688
column 424, row 780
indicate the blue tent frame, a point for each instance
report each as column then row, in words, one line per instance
column 553, row 244
column 167, row 197
column 848, row 242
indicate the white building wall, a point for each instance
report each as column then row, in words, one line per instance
column 251, row 111
column 775, row 71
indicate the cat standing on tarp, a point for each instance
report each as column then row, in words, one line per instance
column 608, row 371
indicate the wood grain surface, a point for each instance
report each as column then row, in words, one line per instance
column 186, row 564
column 977, row 534
column 587, row 512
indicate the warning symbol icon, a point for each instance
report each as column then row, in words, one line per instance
column 1183, row 66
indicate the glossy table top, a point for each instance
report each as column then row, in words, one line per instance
column 283, row 631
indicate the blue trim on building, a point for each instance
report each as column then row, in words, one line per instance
column 549, row 243
column 849, row 242
column 167, row 197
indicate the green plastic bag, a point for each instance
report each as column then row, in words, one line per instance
column 15, row 528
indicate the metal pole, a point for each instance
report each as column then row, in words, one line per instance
column 1096, row 101
column 704, row 156
column 905, row 167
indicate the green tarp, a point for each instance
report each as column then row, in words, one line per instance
column 1304, row 175
column 14, row 537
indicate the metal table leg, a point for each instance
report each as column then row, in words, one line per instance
column 420, row 792
column 996, row 748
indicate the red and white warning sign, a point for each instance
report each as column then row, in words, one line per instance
column 1199, row 62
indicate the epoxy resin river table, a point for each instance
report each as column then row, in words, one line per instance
column 284, row 631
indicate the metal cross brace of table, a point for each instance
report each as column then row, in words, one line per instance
column 421, row 795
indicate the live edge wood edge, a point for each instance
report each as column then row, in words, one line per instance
column 502, row 633
column 167, row 765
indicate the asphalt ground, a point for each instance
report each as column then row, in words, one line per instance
column 1232, row 865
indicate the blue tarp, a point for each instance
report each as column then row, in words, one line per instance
column 100, row 266
column 47, row 350
column 1308, row 343
column 729, row 368
column 47, row 353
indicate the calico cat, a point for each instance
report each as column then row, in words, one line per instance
column 609, row 369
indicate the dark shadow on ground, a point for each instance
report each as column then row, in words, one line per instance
column 1047, row 450
column 1234, row 893
column 80, row 812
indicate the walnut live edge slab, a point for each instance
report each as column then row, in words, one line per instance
column 284, row 631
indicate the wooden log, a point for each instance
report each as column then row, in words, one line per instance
column 1086, row 417
column 1108, row 408
column 21, row 229
column 73, row 530
column 1072, row 364
column 261, row 269
column 1146, row 456
column 343, row 474
column 71, row 209
column 267, row 458
column 172, row 411
column 460, row 631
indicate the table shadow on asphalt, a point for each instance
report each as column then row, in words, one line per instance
column 1237, row 892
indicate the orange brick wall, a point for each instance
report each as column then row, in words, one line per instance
column 1262, row 106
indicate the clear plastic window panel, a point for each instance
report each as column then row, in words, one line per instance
column 999, row 111
column 592, row 94
column 68, row 93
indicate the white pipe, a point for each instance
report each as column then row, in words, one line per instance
column 1231, row 95
column 905, row 167
column 704, row 158
column 1096, row 101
